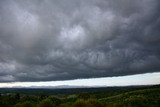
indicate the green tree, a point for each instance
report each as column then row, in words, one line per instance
column 55, row 100
column 46, row 103
column 84, row 96
column 17, row 96
column 25, row 104
column 80, row 103
column 94, row 103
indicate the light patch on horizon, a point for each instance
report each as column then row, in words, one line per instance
column 139, row 79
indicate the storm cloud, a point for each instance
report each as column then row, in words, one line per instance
column 45, row 40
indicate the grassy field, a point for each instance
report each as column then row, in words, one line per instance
column 137, row 96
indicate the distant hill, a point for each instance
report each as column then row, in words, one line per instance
column 71, row 89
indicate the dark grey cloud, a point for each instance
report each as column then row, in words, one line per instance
column 69, row 39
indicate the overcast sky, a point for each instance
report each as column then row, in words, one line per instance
column 48, row 40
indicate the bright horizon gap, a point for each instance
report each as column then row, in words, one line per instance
column 137, row 79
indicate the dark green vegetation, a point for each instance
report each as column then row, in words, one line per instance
column 142, row 96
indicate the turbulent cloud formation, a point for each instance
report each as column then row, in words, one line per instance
column 68, row 39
